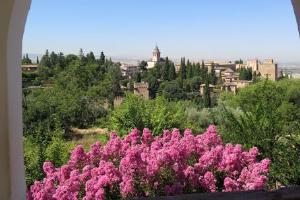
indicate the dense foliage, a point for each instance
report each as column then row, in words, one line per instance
column 26, row 60
column 158, row 114
column 138, row 166
column 78, row 91
column 245, row 74
column 267, row 115
column 73, row 91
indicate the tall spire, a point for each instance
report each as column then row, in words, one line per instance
column 156, row 54
column 156, row 49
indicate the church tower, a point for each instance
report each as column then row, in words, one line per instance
column 156, row 54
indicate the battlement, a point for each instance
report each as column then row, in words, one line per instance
column 141, row 89
column 141, row 85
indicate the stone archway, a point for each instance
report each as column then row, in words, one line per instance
column 13, row 14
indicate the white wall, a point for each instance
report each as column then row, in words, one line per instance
column 12, row 20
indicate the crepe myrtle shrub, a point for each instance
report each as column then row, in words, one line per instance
column 141, row 165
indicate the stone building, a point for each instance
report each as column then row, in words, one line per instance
column 142, row 89
column 229, row 75
column 129, row 70
column 118, row 100
column 202, row 89
column 231, row 81
column 29, row 68
column 267, row 68
column 253, row 64
column 156, row 58
column 229, row 87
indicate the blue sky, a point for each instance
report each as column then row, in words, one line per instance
column 196, row 29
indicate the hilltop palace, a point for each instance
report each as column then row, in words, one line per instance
column 227, row 71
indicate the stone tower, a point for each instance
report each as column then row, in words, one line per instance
column 156, row 54
column 142, row 89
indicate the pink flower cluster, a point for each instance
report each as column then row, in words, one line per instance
column 143, row 165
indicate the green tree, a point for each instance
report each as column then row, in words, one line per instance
column 166, row 70
column 130, row 114
column 81, row 54
column 102, row 58
column 138, row 77
column 172, row 72
column 245, row 74
column 26, row 60
column 189, row 69
column 239, row 61
column 164, row 115
column 171, row 90
column 61, row 61
column 45, row 60
column 183, row 71
column 153, row 85
column 212, row 76
column 269, row 120
column 143, row 65
column 53, row 59
column 90, row 57
column 207, row 97
column 115, row 76
column 196, row 69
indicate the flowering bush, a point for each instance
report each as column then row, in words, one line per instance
column 143, row 165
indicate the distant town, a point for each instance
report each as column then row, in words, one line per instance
column 229, row 73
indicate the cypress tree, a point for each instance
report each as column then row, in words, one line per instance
column 90, row 57
column 189, row 69
column 61, row 60
column 26, row 60
column 165, row 70
column 197, row 71
column 53, row 58
column 137, row 77
column 207, row 100
column 45, row 60
column 81, row 53
column 172, row 72
column 37, row 60
column 47, row 53
column 102, row 58
column 182, row 69
column 202, row 64
column 213, row 77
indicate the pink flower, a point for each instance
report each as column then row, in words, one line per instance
column 230, row 185
column 48, row 168
column 208, row 181
column 95, row 153
column 78, row 157
column 127, row 186
column 145, row 165
column 147, row 137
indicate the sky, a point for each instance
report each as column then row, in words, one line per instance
column 196, row 29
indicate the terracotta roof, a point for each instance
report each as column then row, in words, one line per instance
column 228, row 70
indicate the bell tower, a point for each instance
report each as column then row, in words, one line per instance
column 156, row 54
